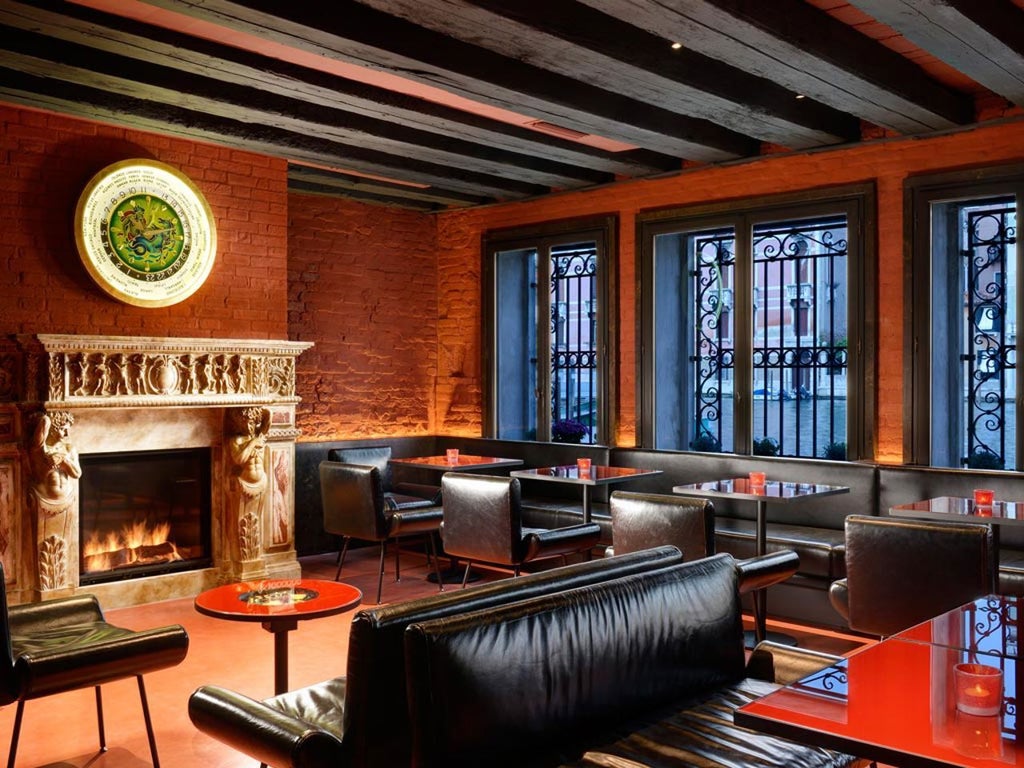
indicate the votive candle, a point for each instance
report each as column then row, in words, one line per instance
column 979, row 688
column 453, row 456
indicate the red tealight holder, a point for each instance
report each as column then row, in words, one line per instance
column 583, row 465
column 979, row 688
column 452, row 455
column 757, row 478
column 983, row 497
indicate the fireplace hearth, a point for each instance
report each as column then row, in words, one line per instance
column 84, row 506
column 143, row 513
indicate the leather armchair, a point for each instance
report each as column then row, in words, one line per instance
column 483, row 521
column 902, row 572
column 65, row 644
column 645, row 520
column 403, row 494
column 356, row 507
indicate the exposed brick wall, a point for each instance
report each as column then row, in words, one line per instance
column 46, row 160
column 362, row 285
column 887, row 163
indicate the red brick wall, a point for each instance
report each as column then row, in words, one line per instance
column 45, row 162
column 887, row 163
column 362, row 285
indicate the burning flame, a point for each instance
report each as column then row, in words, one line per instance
column 98, row 552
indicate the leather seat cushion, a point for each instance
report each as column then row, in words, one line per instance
column 703, row 734
column 400, row 501
column 820, row 549
column 321, row 705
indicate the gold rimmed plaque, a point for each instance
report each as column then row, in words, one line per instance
column 145, row 233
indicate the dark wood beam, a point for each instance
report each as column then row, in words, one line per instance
column 807, row 51
column 580, row 42
column 364, row 36
column 67, row 22
column 984, row 40
column 97, row 104
column 326, row 182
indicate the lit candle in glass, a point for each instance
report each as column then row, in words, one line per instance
column 583, row 465
column 757, row 478
column 979, row 688
column 453, row 456
column 983, row 497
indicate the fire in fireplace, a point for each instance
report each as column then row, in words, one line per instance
column 143, row 513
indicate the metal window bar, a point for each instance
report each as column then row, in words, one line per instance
column 990, row 234
column 713, row 358
column 799, row 348
column 574, row 374
column 991, row 631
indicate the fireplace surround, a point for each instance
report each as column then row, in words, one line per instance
column 64, row 396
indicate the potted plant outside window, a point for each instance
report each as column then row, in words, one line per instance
column 569, row 431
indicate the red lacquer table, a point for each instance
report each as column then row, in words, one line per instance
column 278, row 605
column 895, row 701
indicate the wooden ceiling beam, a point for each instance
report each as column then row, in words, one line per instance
column 364, row 36
column 326, row 182
column 569, row 38
column 73, row 23
column 807, row 51
column 984, row 40
column 101, row 105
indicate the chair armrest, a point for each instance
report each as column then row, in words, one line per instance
column 839, row 596
column 431, row 493
column 252, row 727
column 784, row 664
column 561, row 541
column 416, row 520
column 760, row 572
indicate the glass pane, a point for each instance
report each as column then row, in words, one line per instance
column 574, row 373
column 693, row 340
column 515, row 355
column 988, row 277
column 800, row 337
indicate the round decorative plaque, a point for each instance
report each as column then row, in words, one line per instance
column 145, row 233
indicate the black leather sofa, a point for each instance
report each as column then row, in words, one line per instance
column 652, row 680
column 361, row 720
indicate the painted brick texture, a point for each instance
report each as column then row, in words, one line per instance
column 46, row 161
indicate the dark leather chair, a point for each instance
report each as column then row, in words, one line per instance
column 356, row 507
column 901, row 572
column 483, row 522
column 65, row 644
column 379, row 456
column 645, row 520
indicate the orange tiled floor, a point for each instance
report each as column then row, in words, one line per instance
column 61, row 730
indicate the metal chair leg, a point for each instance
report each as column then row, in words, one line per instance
column 149, row 721
column 380, row 574
column 398, row 568
column 437, row 561
column 99, row 720
column 465, row 576
column 341, row 556
column 17, row 732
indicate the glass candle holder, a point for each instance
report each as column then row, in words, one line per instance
column 757, row 478
column 979, row 688
column 452, row 454
column 983, row 497
column 583, row 467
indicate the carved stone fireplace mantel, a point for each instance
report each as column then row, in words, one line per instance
column 66, row 395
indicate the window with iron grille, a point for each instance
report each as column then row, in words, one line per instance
column 964, row 322
column 748, row 318
column 546, row 329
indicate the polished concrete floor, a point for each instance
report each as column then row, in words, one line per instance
column 61, row 730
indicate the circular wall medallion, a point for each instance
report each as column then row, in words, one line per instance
column 145, row 233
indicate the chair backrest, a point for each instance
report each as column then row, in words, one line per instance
column 378, row 456
column 482, row 518
column 353, row 501
column 8, row 683
column 376, row 715
column 645, row 520
column 902, row 572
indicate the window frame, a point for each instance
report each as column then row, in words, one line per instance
column 919, row 194
column 602, row 230
column 858, row 201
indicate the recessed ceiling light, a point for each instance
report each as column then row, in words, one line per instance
column 676, row 46
column 800, row 96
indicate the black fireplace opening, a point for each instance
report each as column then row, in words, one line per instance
column 144, row 513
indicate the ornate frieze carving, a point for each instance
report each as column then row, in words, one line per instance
column 129, row 371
